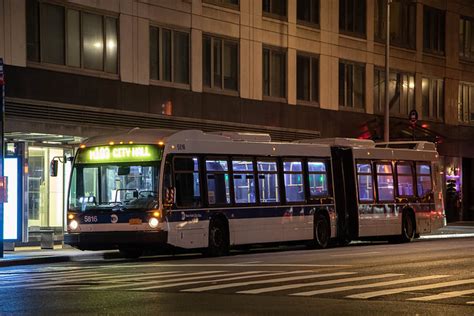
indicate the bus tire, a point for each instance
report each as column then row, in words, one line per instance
column 322, row 231
column 218, row 238
column 131, row 253
column 408, row 227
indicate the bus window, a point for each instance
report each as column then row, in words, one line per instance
column 268, row 181
column 405, row 179
column 385, row 189
column 244, row 181
column 293, row 175
column 186, row 179
column 365, row 182
column 218, row 189
column 318, row 180
column 423, row 179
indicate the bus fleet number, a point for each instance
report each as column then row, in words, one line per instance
column 90, row 219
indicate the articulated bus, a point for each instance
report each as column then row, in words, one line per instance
column 150, row 189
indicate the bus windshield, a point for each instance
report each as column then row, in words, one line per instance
column 114, row 187
column 111, row 178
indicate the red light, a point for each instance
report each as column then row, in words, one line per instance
column 424, row 125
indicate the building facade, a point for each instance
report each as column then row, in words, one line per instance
column 292, row 68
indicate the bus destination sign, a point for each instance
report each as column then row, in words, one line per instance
column 119, row 153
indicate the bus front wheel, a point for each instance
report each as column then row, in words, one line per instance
column 131, row 253
column 322, row 231
column 218, row 239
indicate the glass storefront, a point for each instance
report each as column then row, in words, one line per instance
column 46, row 196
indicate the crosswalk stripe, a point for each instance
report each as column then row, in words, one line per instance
column 28, row 282
column 245, row 276
column 470, row 303
column 336, row 281
column 185, row 276
column 109, row 279
column 411, row 288
column 442, row 295
column 223, row 265
column 32, row 280
column 24, row 277
column 364, row 286
column 237, row 284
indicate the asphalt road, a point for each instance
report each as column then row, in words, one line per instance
column 426, row 277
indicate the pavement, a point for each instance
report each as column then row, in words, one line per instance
column 34, row 255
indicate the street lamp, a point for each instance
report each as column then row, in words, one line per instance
column 386, row 134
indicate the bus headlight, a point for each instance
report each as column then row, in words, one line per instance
column 153, row 222
column 73, row 224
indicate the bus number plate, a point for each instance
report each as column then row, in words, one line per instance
column 90, row 219
column 135, row 221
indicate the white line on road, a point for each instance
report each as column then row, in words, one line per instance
column 447, row 236
column 29, row 279
column 182, row 277
column 442, row 295
column 296, row 265
column 295, row 286
column 356, row 254
column 246, row 276
column 364, row 286
column 411, row 288
column 237, row 284
column 470, row 303
column 109, row 278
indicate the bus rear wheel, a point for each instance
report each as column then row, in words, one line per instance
column 408, row 228
column 322, row 231
column 218, row 239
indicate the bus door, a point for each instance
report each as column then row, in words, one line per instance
column 345, row 193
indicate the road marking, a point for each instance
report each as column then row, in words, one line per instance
column 446, row 236
column 294, row 286
column 115, row 278
column 364, row 286
column 184, row 276
column 471, row 303
column 29, row 282
column 411, row 288
column 356, row 254
column 231, row 265
column 237, row 284
column 442, row 295
column 28, row 277
column 246, row 276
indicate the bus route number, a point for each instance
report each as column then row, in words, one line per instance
column 90, row 219
column 181, row 146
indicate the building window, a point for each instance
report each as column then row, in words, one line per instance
column 402, row 22
column 466, row 38
column 274, row 73
column 307, row 78
column 220, row 63
column 62, row 36
column 234, row 4
column 466, row 102
column 433, row 30
column 307, row 11
column 352, row 15
column 351, row 85
column 274, row 7
column 169, row 55
column 432, row 91
column 401, row 92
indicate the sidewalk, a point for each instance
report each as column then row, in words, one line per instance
column 29, row 256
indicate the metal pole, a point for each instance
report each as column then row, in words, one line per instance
column 386, row 134
column 2, row 146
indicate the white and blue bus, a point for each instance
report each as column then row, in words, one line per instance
column 147, row 189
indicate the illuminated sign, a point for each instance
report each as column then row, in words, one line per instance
column 119, row 153
column 10, row 216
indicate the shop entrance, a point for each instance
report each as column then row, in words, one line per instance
column 467, row 189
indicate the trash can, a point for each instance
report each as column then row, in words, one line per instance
column 47, row 239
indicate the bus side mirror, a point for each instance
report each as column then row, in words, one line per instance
column 53, row 169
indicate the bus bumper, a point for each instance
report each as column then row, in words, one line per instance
column 114, row 240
